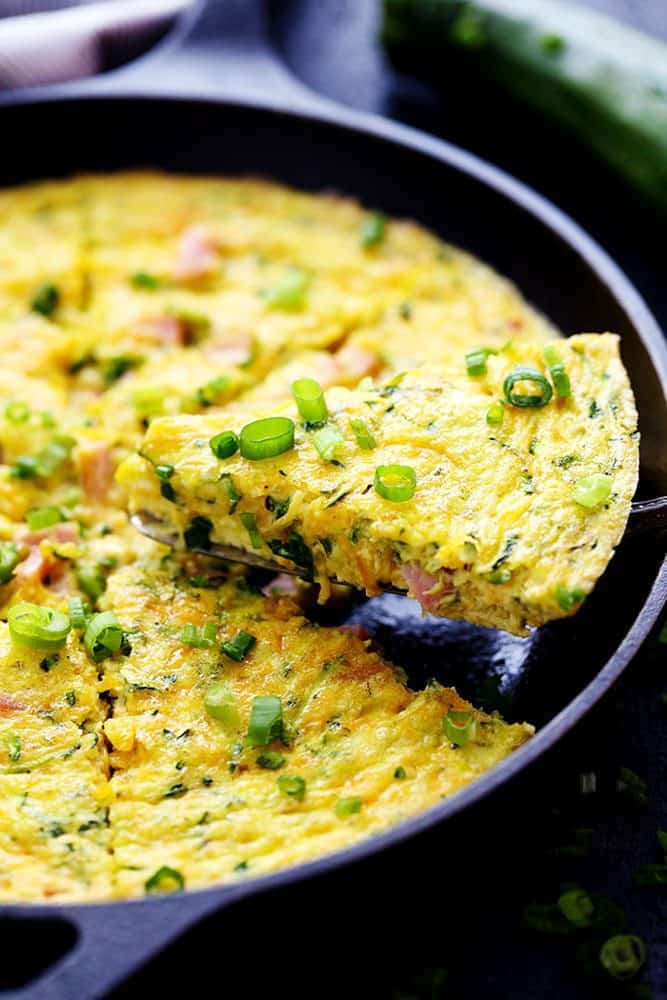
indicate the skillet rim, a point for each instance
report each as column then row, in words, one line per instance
column 329, row 113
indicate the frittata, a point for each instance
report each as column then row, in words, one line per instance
column 416, row 484
column 163, row 725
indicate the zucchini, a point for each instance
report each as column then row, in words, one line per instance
column 604, row 81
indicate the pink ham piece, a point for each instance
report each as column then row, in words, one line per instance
column 197, row 255
column 66, row 531
column 229, row 349
column 282, row 585
column 96, row 468
column 163, row 331
column 8, row 706
column 427, row 588
column 356, row 363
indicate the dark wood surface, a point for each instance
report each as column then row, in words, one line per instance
column 455, row 901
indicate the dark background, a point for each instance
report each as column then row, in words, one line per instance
column 443, row 916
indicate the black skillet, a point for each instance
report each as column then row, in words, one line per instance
column 213, row 98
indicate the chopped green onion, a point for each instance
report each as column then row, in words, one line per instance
column 92, row 579
column 9, row 560
column 592, row 491
column 399, row 773
column 164, row 472
column 210, row 393
column 148, row 402
column 37, row 627
column 77, row 612
column 523, row 373
column 577, row 907
column 45, row 300
column 239, row 647
column 495, row 413
column 56, row 452
column 43, row 517
column 193, row 635
column 270, row 760
column 114, row 368
column 266, row 721
column 460, row 727
column 225, row 444
column 231, row 491
column 165, row 879
column 25, row 467
column 348, row 806
column 328, row 440
column 568, row 598
column 13, row 746
column 310, row 400
column 652, row 876
column 476, row 360
column 267, row 438
column 17, row 413
column 221, row 704
column 503, row 575
column 363, row 434
column 623, row 955
column 290, row 294
column 395, row 482
column 292, row 785
column 249, row 522
column 103, row 636
column 559, row 376
column 373, row 230
column 145, row 282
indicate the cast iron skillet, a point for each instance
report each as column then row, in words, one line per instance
column 213, row 98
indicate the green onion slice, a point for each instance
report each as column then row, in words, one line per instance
column 221, row 704
column 266, row 721
column 103, row 636
column 476, row 360
column 165, row 879
column 17, row 412
column 144, row 281
column 559, row 376
column 569, row 597
column 267, row 438
column 43, row 517
column 310, row 400
column 395, row 482
column 249, row 522
column 193, row 635
column 460, row 727
column 239, row 647
column 373, row 230
column 592, row 491
column 270, row 760
column 37, row 627
column 292, row 785
column 328, row 440
column 495, row 413
column 225, row 444
column 164, row 472
column 210, row 393
column 623, row 955
column 9, row 560
column 233, row 494
column 45, row 300
column 14, row 746
column 524, row 374
column 348, row 806
column 363, row 434
column 77, row 612
column 577, row 907
column 92, row 580
column 290, row 294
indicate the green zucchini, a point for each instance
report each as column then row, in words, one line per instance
column 604, row 81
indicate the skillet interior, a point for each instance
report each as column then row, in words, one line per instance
column 495, row 670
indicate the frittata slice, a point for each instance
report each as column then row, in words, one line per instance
column 503, row 513
column 203, row 793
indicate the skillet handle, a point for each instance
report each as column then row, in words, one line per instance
column 648, row 516
column 111, row 941
column 219, row 49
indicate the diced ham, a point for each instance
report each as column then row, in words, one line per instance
column 427, row 588
column 282, row 585
column 197, row 254
column 39, row 567
column 96, row 468
column 229, row 349
column 65, row 531
column 8, row 706
column 356, row 363
column 163, row 331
